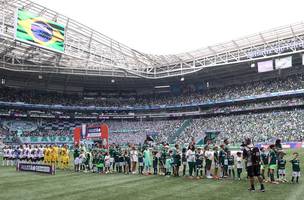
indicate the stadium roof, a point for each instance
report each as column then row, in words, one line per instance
column 88, row 52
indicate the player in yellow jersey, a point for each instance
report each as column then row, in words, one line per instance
column 59, row 161
column 47, row 155
column 65, row 158
column 56, row 149
column 54, row 155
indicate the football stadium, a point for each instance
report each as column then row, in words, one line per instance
column 83, row 116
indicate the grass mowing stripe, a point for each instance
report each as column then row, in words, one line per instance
column 79, row 184
column 67, row 185
column 89, row 191
column 296, row 194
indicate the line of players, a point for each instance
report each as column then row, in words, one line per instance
column 37, row 154
column 167, row 161
column 198, row 162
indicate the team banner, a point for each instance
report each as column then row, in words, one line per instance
column 39, row 31
column 48, row 140
column 28, row 167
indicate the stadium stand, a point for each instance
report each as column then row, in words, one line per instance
column 187, row 97
column 121, row 131
column 211, row 88
column 261, row 127
column 264, row 119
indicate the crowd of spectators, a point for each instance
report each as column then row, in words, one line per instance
column 158, row 130
column 277, row 103
column 287, row 125
column 121, row 132
column 187, row 97
column 257, row 105
column 260, row 127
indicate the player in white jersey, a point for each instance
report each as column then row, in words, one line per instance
column 18, row 154
column 40, row 154
column 13, row 156
column 33, row 154
column 23, row 154
column 37, row 154
column 28, row 150
column 10, row 156
column 5, row 156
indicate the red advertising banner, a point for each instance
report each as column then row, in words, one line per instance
column 105, row 135
column 93, row 132
column 77, row 135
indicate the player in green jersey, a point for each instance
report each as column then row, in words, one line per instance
column 231, row 171
column 272, row 160
column 281, row 167
column 295, row 168
column 216, row 162
column 264, row 163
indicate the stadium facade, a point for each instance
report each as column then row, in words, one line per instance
column 57, row 74
column 89, row 59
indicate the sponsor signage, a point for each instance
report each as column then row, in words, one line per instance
column 275, row 49
column 47, row 169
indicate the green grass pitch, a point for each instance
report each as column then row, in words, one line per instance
column 67, row 185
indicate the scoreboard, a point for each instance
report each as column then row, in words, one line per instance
column 92, row 132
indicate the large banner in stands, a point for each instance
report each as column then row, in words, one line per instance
column 48, row 140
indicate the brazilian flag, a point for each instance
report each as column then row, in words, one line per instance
column 39, row 31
